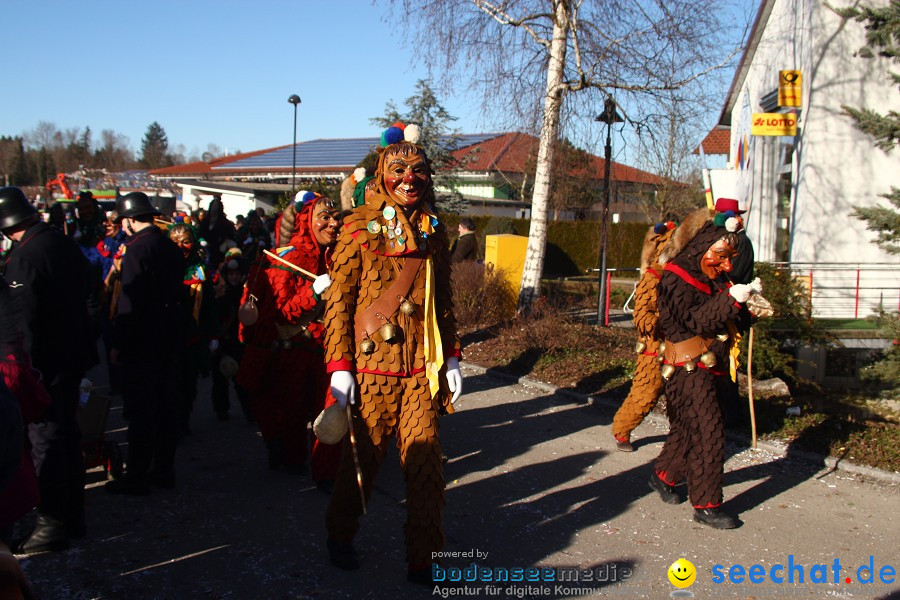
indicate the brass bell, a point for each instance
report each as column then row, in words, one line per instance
column 708, row 359
column 389, row 332
column 367, row 346
column 660, row 358
column 307, row 334
column 722, row 337
column 662, row 348
column 690, row 366
column 408, row 308
column 640, row 346
column 667, row 371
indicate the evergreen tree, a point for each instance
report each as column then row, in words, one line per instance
column 155, row 147
column 883, row 39
column 438, row 140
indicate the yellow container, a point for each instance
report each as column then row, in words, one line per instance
column 507, row 253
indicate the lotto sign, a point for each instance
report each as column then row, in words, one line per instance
column 774, row 124
column 789, row 84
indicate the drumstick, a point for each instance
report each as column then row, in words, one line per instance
column 291, row 265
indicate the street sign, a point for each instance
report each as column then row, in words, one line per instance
column 774, row 124
column 789, row 88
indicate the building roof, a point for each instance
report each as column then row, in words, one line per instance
column 717, row 141
column 515, row 153
column 508, row 152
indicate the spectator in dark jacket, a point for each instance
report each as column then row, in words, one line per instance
column 466, row 245
column 48, row 276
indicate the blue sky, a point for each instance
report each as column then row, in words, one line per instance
column 209, row 72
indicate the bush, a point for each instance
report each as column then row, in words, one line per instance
column 482, row 296
column 884, row 372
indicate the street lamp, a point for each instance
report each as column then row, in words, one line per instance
column 608, row 116
column 295, row 100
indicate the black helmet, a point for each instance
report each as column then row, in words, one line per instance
column 14, row 207
column 135, row 204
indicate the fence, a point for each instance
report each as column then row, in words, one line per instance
column 848, row 290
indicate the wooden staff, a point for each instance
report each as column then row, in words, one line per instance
column 750, row 388
column 291, row 265
column 359, row 480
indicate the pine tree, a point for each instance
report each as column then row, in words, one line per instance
column 155, row 147
column 883, row 39
column 437, row 138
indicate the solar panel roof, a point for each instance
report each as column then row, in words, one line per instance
column 327, row 153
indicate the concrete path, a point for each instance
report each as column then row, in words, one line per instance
column 533, row 480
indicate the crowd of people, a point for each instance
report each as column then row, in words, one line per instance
column 346, row 316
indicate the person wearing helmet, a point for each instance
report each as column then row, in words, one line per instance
column 48, row 277
column 150, row 301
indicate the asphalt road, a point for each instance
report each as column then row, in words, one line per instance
column 533, row 480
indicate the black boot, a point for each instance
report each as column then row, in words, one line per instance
column 666, row 491
column 342, row 555
column 49, row 535
column 714, row 517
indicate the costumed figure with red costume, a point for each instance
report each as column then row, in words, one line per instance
column 646, row 385
column 198, row 321
column 392, row 348
column 283, row 365
column 700, row 315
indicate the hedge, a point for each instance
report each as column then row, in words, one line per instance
column 573, row 247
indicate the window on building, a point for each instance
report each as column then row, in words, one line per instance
column 784, row 187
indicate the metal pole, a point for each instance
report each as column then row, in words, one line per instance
column 602, row 305
column 294, row 163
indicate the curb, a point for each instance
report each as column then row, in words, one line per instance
column 776, row 448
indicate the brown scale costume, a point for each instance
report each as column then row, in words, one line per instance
column 647, row 382
column 691, row 304
column 394, row 396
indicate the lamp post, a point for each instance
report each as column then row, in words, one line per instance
column 295, row 100
column 608, row 116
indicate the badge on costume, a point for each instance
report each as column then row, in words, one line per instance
column 374, row 227
column 389, row 212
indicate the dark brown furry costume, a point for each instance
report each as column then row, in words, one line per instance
column 647, row 382
column 691, row 304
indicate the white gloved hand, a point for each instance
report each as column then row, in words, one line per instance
column 321, row 283
column 756, row 285
column 741, row 292
column 213, row 345
column 343, row 387
column 454, row 378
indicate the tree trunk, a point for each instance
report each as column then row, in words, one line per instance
column 540, row 200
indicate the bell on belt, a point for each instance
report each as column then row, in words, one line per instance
column 367, row 346
column 708, row 359
column 662, row 348
column 408, row 308
column 722, row 337
column 307, row 333
column 640, row 346
column 690, row 366
column 660, row 357
column 389, row 332
column 248, row 313
column 667, row 371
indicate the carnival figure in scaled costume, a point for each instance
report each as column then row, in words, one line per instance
column 700, row 313
column 283, row 366
column 647, row 383
column 392, row 347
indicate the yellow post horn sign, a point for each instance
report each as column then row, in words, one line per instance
column 790, row 93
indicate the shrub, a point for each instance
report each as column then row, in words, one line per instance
column 482, row 296
column 884, row 372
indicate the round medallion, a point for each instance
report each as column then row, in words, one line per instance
column 398, row 230
column 374, row 227
column 389, row 212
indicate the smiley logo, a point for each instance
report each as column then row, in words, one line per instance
column 682, row 573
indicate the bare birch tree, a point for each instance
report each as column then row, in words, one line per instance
column 527, row 57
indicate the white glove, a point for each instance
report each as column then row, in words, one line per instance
column 321, row 283
column 741, row 292
column 343, row 387
column 213, row 345
column 454, row 378
column 756, row 285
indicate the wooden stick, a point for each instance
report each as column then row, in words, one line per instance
column 359, row 479
column 750, row 388
column 291, row 265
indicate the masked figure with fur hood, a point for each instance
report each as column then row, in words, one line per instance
column 283, row 366
column 647, row 383
column 392, row 347
column 700, row 313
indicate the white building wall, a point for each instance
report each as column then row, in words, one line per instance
column 834, row 166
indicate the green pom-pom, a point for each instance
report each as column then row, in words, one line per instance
column 719, row 220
